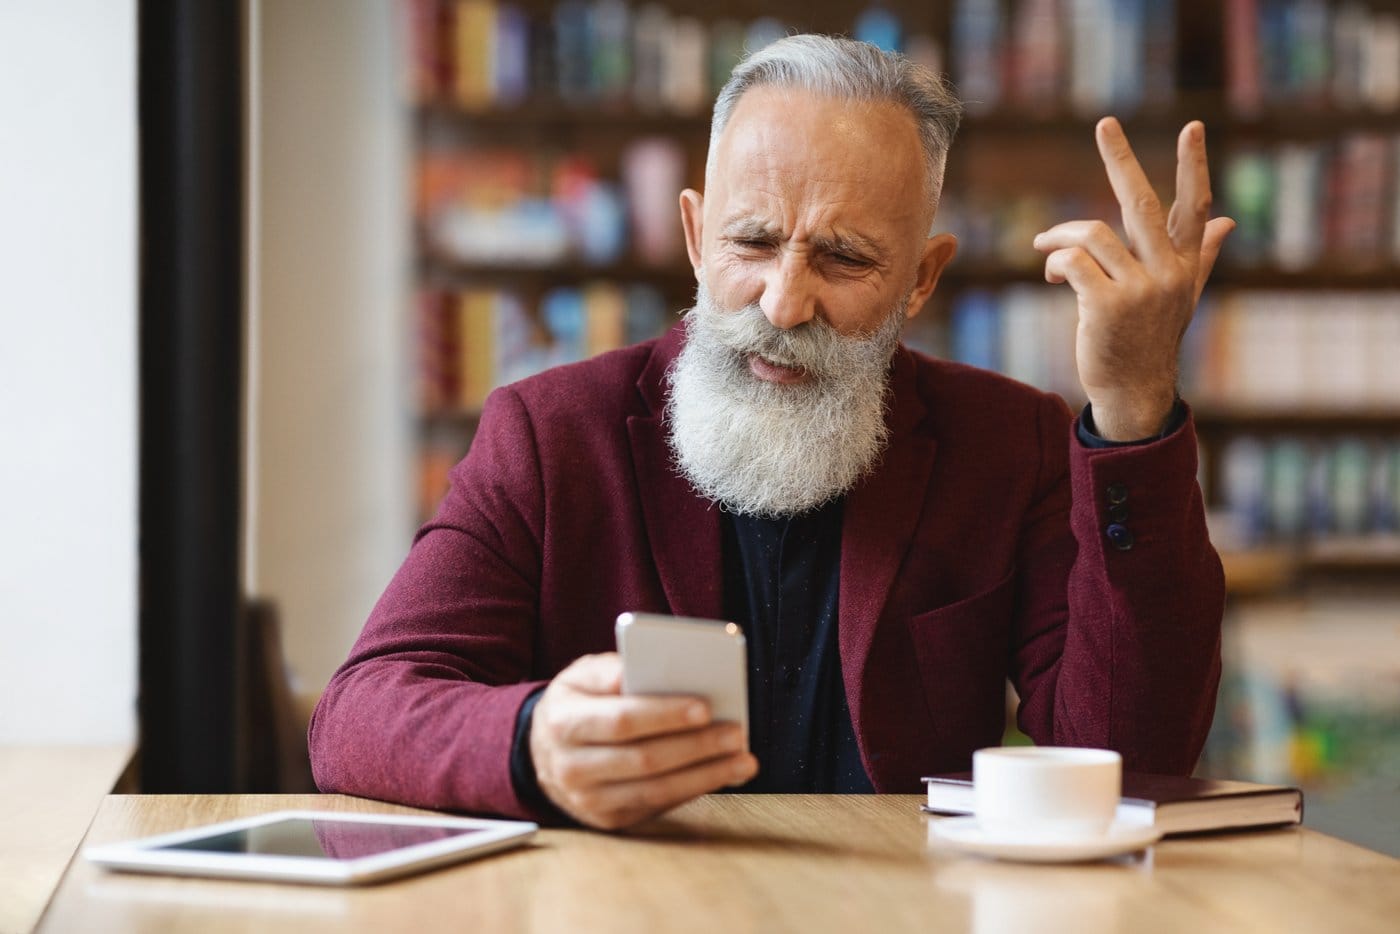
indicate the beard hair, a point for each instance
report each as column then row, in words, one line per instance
column 771, row 449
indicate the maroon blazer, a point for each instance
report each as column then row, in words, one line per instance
column 976, row 551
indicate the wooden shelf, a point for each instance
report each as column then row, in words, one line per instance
column 1304, row 123
column 1012, row 122
column 1319, row 278
column 451, row 274
column 971, row 273
column 1222, row 125
column 553, row 114
column 1379, row 552
column 1312, row 419
column 1270, row 569
column 1258, row 571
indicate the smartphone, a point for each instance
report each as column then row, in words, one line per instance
column 679, row 655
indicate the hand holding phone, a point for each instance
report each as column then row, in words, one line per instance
column 611, row 760
column 669, row 655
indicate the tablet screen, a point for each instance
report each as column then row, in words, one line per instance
column 337, row 839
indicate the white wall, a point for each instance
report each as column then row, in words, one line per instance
column 330, row 488
column 68, row 397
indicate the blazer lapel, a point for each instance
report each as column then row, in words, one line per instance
column 881, row 515
column 683, row 528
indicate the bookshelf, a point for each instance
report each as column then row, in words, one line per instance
column 553, row 137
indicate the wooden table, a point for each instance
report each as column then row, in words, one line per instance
column 740, row 863
column 47, row 798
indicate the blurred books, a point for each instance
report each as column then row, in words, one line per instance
column 1305, row 205
column 481, row 55
column 1311, row 54
column 1292, row 490
column 1085, row 57
column 516, row 207
column 1289, row 350
column 473, row 340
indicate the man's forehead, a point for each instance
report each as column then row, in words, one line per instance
column 769, row 111
column 836, row 157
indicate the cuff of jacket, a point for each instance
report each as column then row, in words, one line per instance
column 522, row 767
column 1088, row 434
column 1129, row 495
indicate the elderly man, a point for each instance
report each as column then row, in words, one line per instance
column 897, row 535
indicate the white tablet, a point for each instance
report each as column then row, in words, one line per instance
column 314, row 846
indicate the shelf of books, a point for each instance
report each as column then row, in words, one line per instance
column 552, row 140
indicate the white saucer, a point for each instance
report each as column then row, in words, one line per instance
column 963, row 834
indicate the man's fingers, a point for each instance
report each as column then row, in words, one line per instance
column 1075, row 266
column 1212, row 240
column 1094, row 237
column 594, row 674
column 581, row 766
column 1187, row 221
column 622, row 803
column 1142, row 211
column 584, row 719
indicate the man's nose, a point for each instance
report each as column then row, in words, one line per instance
column 789, row 292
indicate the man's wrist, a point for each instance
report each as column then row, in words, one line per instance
column 1087, row 431
column 1128, row 419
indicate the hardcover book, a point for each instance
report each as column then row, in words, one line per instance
column 1173, row 804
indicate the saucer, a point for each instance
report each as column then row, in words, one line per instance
column 963, row 834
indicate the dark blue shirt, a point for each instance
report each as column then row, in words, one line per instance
column 781, row 585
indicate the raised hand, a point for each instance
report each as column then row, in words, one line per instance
column 611, row 760
column 1137, row 298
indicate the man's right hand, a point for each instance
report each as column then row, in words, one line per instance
column 611, row 761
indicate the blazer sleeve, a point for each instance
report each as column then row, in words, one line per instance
column 1126, row 655
column 424, row 709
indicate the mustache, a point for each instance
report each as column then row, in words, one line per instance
column 813, row 346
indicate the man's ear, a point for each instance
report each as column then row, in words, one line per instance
column 939, row 251
column 693, row 222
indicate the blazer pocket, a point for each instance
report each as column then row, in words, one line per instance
column 962, row 655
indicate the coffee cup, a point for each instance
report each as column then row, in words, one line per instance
column 1046, row 792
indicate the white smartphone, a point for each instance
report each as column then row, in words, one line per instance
column 314, row 846
column 680, row 655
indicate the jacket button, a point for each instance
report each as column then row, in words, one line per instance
column 1117, row 493
column 1120, row 536
column 1118, row 513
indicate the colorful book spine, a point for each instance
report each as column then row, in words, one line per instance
column 474, row 33
column 476, row 370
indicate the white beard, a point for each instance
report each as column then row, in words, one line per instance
column 770, row 449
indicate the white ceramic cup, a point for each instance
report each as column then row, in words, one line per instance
column 1046, row 792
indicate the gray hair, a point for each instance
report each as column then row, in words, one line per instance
column 857, row 71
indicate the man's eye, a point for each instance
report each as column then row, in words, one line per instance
column 853, row 262
column 753, row 244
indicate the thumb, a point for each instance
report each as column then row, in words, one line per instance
column 594, row 674
column 1211, row 241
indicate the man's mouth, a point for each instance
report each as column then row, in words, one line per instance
column 772, row 372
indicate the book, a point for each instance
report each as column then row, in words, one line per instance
column 1173, row 804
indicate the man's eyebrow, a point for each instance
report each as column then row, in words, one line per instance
column 852, row 243
column 746, row 228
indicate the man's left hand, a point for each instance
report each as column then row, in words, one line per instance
column 1137, row 298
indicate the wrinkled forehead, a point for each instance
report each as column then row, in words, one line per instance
column 813, row 156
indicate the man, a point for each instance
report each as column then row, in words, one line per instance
column 897, row 535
